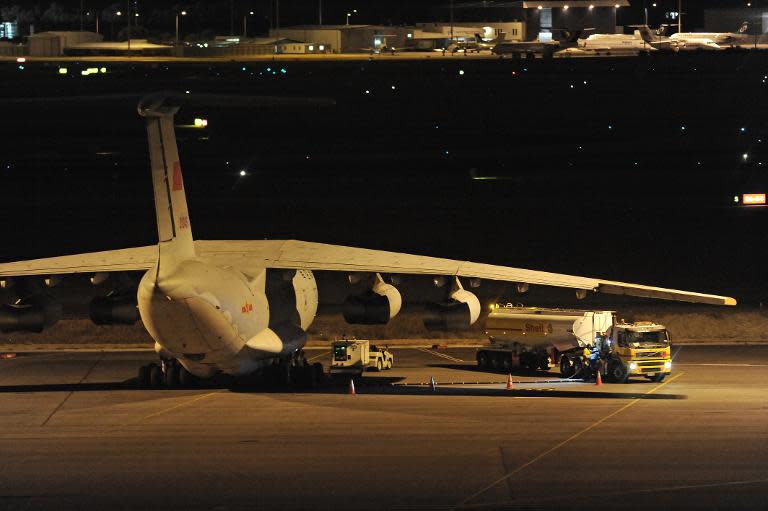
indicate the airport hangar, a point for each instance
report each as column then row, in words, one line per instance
column 542, row 17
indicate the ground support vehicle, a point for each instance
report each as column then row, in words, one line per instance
column 352, row 357
column 531, row 338
column 628, row 349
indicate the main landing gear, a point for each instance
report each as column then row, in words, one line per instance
column 296, row 371
column 168, row 373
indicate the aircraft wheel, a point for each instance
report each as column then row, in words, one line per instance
column 310, row 376
column 155, row 376
column 171, row 374
column 143, row 379
column 186, row 379
column 285, row 372
column 317, row 367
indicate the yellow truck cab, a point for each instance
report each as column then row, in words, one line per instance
column 638, row 349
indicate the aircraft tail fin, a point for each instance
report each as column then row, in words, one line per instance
column 479, row 38
column 744, row 27
column 173, row 226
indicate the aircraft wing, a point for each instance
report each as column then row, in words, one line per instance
column 293, row 254
column 128, row 259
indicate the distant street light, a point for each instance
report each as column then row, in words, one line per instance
column 182, row 13
column 354, row 11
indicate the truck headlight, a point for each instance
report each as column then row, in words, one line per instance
column 632, row 366
column 668, row 364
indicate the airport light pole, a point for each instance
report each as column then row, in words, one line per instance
column 245, row 23
column 354, row 11
column 679, row 16
column 182, row 13
column 320, row 12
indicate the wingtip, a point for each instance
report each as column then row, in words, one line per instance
column 730, row 301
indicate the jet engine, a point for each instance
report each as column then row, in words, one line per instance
column 375, row 307
column 460, row 311
column 32, row 314
column 114, row 310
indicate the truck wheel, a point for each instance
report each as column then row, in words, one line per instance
column 658, row 378
column 506, row 363
column 617, row 373
column 543, row 362
column 577, row 367
column 494, row 359
column 378, row 366
column 566, row 367
column 482, row 359
column 389, row 364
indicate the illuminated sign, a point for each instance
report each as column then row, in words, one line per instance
column 753, row 199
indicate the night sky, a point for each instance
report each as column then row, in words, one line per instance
column 159, row 15
column 620, row 168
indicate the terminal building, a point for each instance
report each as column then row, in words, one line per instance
column 347, row 38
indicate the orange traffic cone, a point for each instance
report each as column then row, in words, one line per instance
column 599, row 379
column 352, row 387
column 509, row 382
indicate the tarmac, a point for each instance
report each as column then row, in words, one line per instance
column 75, row 433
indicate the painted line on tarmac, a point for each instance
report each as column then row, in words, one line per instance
column 69, row 394
column 443, row 355
column 320, row 355
column 561, row 444
column 180, row 405
column 571, row 497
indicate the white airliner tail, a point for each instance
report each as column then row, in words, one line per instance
column 173, row 225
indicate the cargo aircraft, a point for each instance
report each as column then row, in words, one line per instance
column 243, row 307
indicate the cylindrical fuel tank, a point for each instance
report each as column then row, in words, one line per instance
column 532, row 326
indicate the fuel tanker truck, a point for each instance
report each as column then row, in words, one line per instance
column 534, row 338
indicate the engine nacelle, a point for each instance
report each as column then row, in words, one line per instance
column 21, row 319
column 459, row 313
column 114, row 310
column 376, row 307
column 33, row 314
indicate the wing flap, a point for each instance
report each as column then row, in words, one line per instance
column 294, row 254
column 127, row 259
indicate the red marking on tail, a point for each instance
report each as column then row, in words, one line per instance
column 178, row 182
